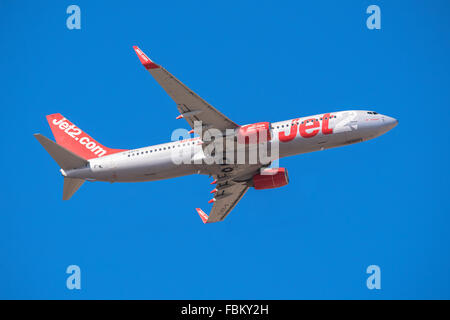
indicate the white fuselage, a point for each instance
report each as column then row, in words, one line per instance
column 156, row 162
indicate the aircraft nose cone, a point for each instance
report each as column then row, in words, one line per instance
column 389, row 122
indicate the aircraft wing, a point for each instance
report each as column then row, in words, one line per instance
column 230, row 187
column 190, row 105
column 231, row 179
column 224, row 201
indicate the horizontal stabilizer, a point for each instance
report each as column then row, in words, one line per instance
column 66, row 159
column 71, row 185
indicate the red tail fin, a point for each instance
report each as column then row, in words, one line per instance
column 73, row 138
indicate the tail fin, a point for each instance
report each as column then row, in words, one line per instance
column 74, row 139
column 71, row 185
column 65, row 158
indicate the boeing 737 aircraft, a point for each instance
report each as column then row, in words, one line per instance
column 82, row 158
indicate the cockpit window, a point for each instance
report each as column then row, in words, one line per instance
column 372, row 112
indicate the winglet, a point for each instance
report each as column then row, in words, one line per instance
column 202, row 215
column 146, row 62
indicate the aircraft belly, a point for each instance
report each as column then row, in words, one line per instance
column 151, row 170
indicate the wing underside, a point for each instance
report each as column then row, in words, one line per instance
column 189, row 104
column 224, row 203
column 231, row 180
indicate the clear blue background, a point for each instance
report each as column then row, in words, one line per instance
column 382, row 202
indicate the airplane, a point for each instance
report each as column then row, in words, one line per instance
column 82, row 158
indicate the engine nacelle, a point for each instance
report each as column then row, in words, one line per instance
column 254, row 133
column 272, row 178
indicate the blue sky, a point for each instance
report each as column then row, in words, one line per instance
column 381, row 202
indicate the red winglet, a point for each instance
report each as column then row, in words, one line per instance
column 202, row 215
column 146, row 62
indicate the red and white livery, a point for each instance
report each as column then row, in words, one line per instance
column 82, row 158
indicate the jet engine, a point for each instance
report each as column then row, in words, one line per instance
column 254, row 133
column 271, row 178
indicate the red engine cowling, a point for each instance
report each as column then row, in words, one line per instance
column 254, row 133
column 272, row 178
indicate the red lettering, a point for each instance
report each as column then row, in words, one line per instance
column 325, row 123
column 307, row 125
column 286, row 138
